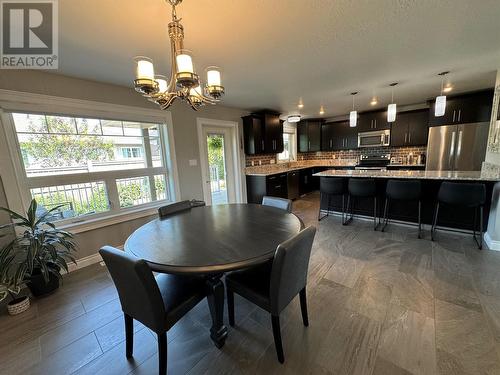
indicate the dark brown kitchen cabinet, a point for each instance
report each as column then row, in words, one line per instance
column 275, row 185
column 262, row 133
column 371, row 121
column 309, row 133
column 410, row 129
column 464, row 109
column 338, row 136
column 253, row 135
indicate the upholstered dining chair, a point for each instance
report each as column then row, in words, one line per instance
column 174, row 208
column 273, row 285
column 284, row 204
column 158, row 303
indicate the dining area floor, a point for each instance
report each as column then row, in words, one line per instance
column 380, row 303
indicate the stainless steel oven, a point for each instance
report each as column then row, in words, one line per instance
column 380, row 138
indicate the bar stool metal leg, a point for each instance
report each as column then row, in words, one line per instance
column 434, row 223
column 343, row 209
column 375, row 225
column 480, row 242
column 419, row 219
column 349, row 208
column 385, row 219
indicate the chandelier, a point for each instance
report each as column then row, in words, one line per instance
column 184, row 82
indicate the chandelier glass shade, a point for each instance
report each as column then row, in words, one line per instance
column 184, row 83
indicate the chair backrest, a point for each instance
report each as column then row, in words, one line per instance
column 404, row 189
column 174, row 208
column 289, row 271
column 362, row 187
column 284, row 204
column 139, row 294
column 468, row 194
column 332, row 185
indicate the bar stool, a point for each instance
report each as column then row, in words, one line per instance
column 403, row 190
column 332, row 186
column 468, row 195
column 362, row 188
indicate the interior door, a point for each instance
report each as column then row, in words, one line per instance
column 441, row 148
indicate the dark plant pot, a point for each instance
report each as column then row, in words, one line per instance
column 37, row 284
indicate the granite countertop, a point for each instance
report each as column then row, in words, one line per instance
column 485, row 175
column 270, row 169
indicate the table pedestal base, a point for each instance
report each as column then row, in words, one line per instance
column 215, row 297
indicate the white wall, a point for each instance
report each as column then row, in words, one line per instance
column 184, row 126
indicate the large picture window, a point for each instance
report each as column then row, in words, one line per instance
column 90, row 166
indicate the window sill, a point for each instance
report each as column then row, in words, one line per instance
column 112, row 219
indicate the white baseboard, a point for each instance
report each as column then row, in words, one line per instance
column 492, row 244
column 87, row 261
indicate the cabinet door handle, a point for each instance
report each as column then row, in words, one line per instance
column 406, row 136
column 453, row 116
column 309, row 145
column 409, row 137
column 262, row 145
column 330, row 143
column 374, row 124
column 459, row 114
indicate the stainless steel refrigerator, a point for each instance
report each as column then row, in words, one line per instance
column 457, row 147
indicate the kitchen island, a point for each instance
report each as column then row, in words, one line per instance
column 449, row 217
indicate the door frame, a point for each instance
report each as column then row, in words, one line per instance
column 233, row 127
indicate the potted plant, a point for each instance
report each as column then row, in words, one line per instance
column 12, row 284
column 40, row 249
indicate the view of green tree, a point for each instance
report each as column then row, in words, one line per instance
column 216, row 154
column 64, row 148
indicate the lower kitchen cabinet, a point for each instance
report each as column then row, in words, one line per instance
column 275, row 185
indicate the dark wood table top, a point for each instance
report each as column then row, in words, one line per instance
column 213, row 239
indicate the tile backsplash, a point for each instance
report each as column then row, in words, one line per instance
column 267, row 159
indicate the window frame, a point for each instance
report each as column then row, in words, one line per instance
column 18, row 190
column 292, row 133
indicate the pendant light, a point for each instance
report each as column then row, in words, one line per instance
column 353, row 116
column 440, row 107
column 391, row 108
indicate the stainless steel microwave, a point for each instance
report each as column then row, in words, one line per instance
column 379, row 138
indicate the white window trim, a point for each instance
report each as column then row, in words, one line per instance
column 290, row 129
column 11, row 168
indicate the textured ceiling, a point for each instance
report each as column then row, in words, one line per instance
column 274, row 52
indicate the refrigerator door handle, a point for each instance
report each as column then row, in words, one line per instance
column 452, row 148
column 459, row 147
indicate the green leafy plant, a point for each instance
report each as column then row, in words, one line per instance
column 38, row 245
column 9, row 285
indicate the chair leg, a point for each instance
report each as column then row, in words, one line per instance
column 303, row 307
column 375, row 225
column 162, row 353
column 434, row 223
column 319, row 209
column 230, row 307
column 129, row 335
column 348, row 208
column 343, row 208
column 419, row 219
column 275, row 320
column 385, row 220
column 481, row 227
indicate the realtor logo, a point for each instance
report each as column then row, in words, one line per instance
column 29, row 34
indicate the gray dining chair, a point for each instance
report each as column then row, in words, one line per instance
column 273, row 285
column 284, row 204
column 158, row 303
column 174, row 208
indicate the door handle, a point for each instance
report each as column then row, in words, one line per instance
column 309, row 145
column 459, row 115
column 375, row 124
column 409, row 137
column 452, row 152
column 453, row 117
column 406, row 134
column 262, row 145
column 459, row 146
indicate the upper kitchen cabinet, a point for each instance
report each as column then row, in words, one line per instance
column 372, row 121
column 309, row 133
column 263, row 133
column 464, row 109
column 410, row 128
column 338, row 136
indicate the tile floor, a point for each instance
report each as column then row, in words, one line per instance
column 379, row 304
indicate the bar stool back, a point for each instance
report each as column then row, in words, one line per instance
column 468, row 195
column 362, row 188
column 403, row 190
column 332, row 186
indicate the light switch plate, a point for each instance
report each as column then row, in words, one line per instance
column 193, row 162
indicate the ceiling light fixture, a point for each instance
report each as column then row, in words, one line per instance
column 301, row 104
column 184, row 82
column 391, row 108
column 353, row 116
column 440, row 106
column 448, row 88
column 293, row 118
column 321, row 111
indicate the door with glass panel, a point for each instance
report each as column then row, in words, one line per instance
column 219, row 187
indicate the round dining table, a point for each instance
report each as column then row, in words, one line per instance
column 210, row 241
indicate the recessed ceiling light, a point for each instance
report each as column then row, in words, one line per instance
column 293, row 118
column 448, row 88
column 321, row 111
column 374, row 101
column 301, row 104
